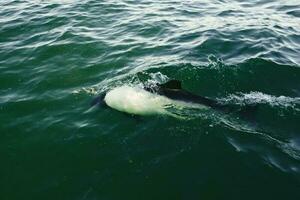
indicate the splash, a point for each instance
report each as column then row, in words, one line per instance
column 261, row 98
column 87, row 90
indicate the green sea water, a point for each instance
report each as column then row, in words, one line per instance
column 56, row 56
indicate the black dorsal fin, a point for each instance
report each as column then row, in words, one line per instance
column 172, row 84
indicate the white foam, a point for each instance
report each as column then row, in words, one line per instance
column 258, row 97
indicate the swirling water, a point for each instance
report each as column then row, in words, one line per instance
column 57, row 55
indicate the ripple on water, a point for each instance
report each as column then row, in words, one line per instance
column 56, row 56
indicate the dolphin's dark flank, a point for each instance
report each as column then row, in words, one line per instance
column 173, row 90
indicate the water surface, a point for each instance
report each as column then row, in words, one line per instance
column 56, row 56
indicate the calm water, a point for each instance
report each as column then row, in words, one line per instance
column 57, row 55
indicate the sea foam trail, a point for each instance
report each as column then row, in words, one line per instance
column 261, row 98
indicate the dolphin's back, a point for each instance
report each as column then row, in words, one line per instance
column 173, row 90
column 182, row 95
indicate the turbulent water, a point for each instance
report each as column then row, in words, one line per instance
column 56, row 56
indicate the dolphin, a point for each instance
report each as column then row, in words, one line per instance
column 157, row 100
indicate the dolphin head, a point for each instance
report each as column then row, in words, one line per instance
column 99, row 100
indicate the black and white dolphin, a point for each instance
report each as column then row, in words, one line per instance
column 156, row 100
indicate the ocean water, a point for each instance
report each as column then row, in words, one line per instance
column 56, row 56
